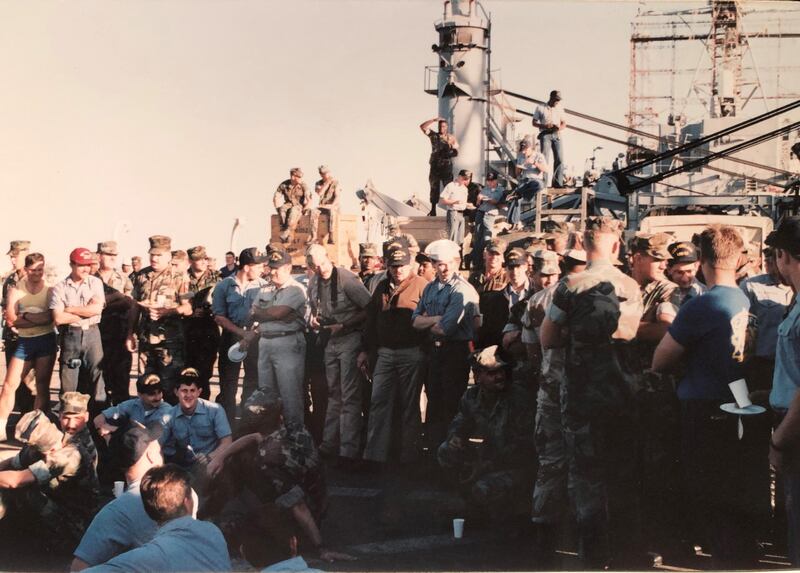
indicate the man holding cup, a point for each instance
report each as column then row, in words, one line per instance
column 709, row 335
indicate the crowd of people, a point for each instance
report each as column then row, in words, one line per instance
column 598, row 369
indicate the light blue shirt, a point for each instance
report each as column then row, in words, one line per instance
column 234, row 302
column 456, row 302
column 201, row 430
column 181, row 545
column 768, row 302
column 495, row 194
column 293, row 564
column 69, row 293
column 120, row 526
column 786, row 379
column 134, row 409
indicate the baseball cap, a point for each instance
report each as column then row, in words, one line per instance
column 556, row 95
column 395, row 243
column 497, row 246
column 683, row 252
column 278, row 258
column 251, row 256
column 399, row 258
column 133, row 442
column 465, row 173
column 422, row 258
column 492, row 176
column 81, row 256
column 786, row 236
column 149, row 383
column 516, row 257
column 655, row 245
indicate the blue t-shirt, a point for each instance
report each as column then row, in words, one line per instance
column 712, row 328
column 786, row 379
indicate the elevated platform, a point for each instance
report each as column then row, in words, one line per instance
column 343, row 252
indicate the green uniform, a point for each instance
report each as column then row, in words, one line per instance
column 289, row 201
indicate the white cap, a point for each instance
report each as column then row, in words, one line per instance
column 443, row 250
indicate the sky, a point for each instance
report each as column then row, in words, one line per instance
column 177, row 116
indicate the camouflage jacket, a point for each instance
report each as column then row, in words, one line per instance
column 442, row 148
column 9, row 282
column 167, row 288
column 287, row 193
column 553, row 359
column 328, row 192
column 118, row 282
column 505, row 424
column 201, row 287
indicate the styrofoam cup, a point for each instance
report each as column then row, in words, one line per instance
column 458, row 528
column 740, row 393
column 119, row 488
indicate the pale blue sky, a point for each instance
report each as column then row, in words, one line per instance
column 180, row 115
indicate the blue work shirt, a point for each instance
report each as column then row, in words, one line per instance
column 233, row 301
column 456, row 302
column 712, row 328
column 769, row 300
column 183, row 544
column 201, row 430
column 134, row 409
column 120, row 526
column 786, row 379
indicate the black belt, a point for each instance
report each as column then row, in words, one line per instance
column 270, row 335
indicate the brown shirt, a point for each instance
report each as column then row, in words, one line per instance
column 389, row 322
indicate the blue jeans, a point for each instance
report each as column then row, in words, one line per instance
column 553, row 151
column 526, row 191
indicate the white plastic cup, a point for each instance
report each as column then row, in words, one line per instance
column 119, row 488
column 458, row 528
column 740, row 393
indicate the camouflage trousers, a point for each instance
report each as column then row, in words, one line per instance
column 289, row 216
column 333, row 215
column 550, row 497
column 167, row 360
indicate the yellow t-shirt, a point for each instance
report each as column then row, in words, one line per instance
column 33, row 303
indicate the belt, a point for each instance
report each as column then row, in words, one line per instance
column 82, row 326
column 270, row 335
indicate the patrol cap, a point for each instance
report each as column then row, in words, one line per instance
column 108, row 248
column 555, row 95
column 498, row 246
column 279, row 258
column 546, row 262
column 323, row 169
column 603, row 224
column 516, row 257
column 134, row 441
column 557, row 229
column 149, row 383
column 17, row 246
column 81, row 256
column 491, row 176
column 36, row 429
column 683, row 252
column 443, row 250
column 395, row 243
column 296, row 171
column 576, row 255
column 465, row 173
column 74, row 403
column 368, row 250
column 490, row 358
column 160, row 244
column 251, row 256
column 180, row 255
column 399, row 258
column 655, row 245
column 786, row 236
column 136, row 259
column 197, row 253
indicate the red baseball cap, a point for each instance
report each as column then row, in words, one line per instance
column 81, row 256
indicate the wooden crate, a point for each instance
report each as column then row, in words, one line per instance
column 343, row 252
column 424, row 229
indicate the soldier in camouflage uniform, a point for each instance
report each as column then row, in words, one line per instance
column 116, row 364
column 202, row 333
column 48, row 488
column 17, row 252
column 73, row 420
column 489, row 448
column 156, row 327
column 289, row 200
column 443, row 148
column 656, row 401
column 593, row 314
column 328, row 189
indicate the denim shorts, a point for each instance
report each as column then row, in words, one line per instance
column 31, row 348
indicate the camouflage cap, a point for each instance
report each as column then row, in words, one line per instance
column 108, row 248
column 74, row 403
column 399, row 258
column 16, row 247
column 36, row 429
column 278, row 258
column 197, row 253
column 603, row 225
column 160, row 244
column 516, row 257
column 180, row 255
column 498, row 246
column 368, row 250
column 655, row 245
column 296, row 171
column 545, row 262
column 683, row 252
column 490, row 358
